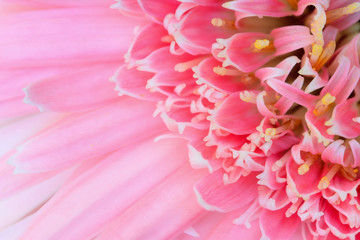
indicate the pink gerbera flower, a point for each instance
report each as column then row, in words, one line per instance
column 261, row 95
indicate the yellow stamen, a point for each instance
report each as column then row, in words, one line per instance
column 328, row 99
column 316, row 27
column 167, row 39
column 261, row 44
column 317, row 49
column 225, row 23
column 303, row 169
column 269, row 133
column 309, row 160
column 247, row 96
column 335, row 14
column 325, row 181
column 323, row 105
column 226, row 72
column 325, row 55
column 182, row 67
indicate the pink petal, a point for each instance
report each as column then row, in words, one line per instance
column 26, row 202
column 214, row 195
column 338, row 80
column 227, row 230
column 275, row 225
column 147, row 40
column 94, row 35
column 237, row 116
column 300, row 183
column 200, row 42
column 291, row 38
column 334, row 153
column 15, row 107
column 339, row 229
column 72, row 141
column 119, row 183
column 133, row 82
column 74, row 91
column 292, row 93
column 129, row 7
column 241, row 55
column 342, row 122
column 15, row 231
column 61, row 3
column 355, row 149
column 158, row 10
column 228, row 84
column 272, row 8
column 166, row 211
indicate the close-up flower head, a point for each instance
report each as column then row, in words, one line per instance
column 179, row 119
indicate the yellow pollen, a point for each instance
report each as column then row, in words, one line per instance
column 335, row 14
column 303, row 169
column 328, row 99
column 325, row 55
column 247, row 96
column 219, row 22
column 219, row 71
column 226, row 72
column 167, row 39
column 316, row 49
column 322, row 106
column 355, row 170
column 270, row 132
column 309, row 160
column 324, row 183
column 182, row 67
column 261, row 44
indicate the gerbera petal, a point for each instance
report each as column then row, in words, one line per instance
column 283, row 228
column 74, row 91
column 72, row 141
column 158, row 10
column 92, row 37
column 214, row 195
column 244, row 117
column 124, row 180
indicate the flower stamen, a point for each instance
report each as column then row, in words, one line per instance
column 167, row 39
column 184, row 66
column 349, row 173
column 325, row 55
column 325, row 181
column 262, row 44
column 322, row 106
column 225, row 23
column 247, row 96
column 305, row 167
column 226, row 72
column 335, row 14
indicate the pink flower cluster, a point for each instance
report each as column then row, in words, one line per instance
column 266, row 92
